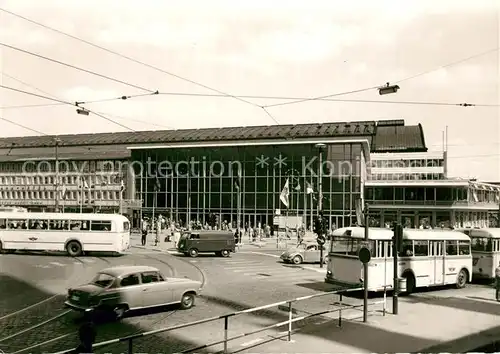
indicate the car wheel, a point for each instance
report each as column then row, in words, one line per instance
column 119, row 312
column 297, row 260
column 225, row 253
column 461, row 279
column 193, row 252
column 74, row 249
column 187, row 301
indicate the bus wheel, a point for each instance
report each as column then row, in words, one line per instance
column 74, row 249
column 410, row 284
column 462, row 279
column 193, row 252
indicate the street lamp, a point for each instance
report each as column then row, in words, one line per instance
column 320, row 147
column 57, row 142
column 388, row 89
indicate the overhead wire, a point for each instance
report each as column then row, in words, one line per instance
column 127, row 57
column 75, row 67
column 23, row 126
column 65, row 102
column 270, row 98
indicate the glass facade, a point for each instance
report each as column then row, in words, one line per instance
column 188, row 184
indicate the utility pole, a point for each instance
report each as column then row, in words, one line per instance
column 57, row 141
column 365, row 268
column 398, row 235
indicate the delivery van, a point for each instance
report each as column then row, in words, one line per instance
column 191, row 243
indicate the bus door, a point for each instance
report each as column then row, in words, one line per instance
column 437, row 254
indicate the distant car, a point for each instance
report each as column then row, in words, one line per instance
column 306, row 252
column 119, row 289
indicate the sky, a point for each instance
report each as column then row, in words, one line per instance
column 436, row 51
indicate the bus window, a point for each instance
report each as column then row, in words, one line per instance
column 478, row 243
column 489, row 245
column 85, row 225
column 451, row 248
column 100, row 226
column 37, row 224
column 380, row 249
column 436, row 248
column 3, row 224
column 464, row 247
column 421, row 248
column 17, row 224
column 406, row 249
column 126, row 226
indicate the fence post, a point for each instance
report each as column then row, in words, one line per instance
column 290, row 317
column 340, row 310
column 130, row 351
column 226, row 332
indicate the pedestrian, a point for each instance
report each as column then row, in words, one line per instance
column 87, row 335
column 158, row 232
column 497, row 282
column 144, row 232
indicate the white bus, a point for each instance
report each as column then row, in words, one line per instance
column 485, row 244
column 73, row 233
column 427, row 258
column 13, row 209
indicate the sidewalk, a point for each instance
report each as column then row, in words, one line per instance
column 455, row 324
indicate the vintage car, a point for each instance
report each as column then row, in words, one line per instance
column 119, row 289
column 304, row 252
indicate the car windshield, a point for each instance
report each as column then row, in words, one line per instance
column 104, row 280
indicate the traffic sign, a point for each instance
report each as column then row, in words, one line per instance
column 321, row 240
column 364, row 255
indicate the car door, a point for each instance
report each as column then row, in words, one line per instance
column 156, row 290
column 312, row 253
column 131, row 291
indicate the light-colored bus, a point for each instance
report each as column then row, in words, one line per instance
column 485, row 244
column 73, row 233
column 13, row 209
column 427, row 258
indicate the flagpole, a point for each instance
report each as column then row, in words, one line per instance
column 81, row 194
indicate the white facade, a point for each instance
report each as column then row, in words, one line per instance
column 407, row 166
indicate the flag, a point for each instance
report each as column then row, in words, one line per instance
column 157, row 184
column 237, row 182
column 285, row 193
column 63, row 192
column 85, row 184
column 122, row 186
column 309, row 188
column 298, row 188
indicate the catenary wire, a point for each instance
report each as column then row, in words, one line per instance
column 67, row 103
column 23, row 126
column 74, row 67
column 101, row 113
column 188, row 94
column 127, row 57
column 205, row 86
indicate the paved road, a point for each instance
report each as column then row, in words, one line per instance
column 247, row 279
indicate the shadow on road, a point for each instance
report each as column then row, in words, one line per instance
column 20, row 330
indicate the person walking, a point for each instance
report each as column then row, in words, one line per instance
column 144, row 232
column 87, row 335
column 497, row 282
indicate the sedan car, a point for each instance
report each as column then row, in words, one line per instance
column 117, row 290
column 304, row 252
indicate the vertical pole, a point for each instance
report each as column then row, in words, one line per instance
column 365, row 271
column 320, row 184
column 340, row 310
column 120, row 210
column 130, row 346
column 395, row 248
column 385, row 300
column 226, row 332
column 57, row 176
column 81, row 194
column 290, row 318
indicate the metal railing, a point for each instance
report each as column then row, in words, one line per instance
column 282, row 305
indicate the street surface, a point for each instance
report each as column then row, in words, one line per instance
column 251, row 277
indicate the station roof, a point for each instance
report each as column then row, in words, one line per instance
column 393, row 135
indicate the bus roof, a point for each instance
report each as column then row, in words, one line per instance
column 484, row 232
column 379, row 233
column 62, row 216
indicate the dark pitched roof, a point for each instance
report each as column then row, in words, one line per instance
column 206, row 134
column 398, row 138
